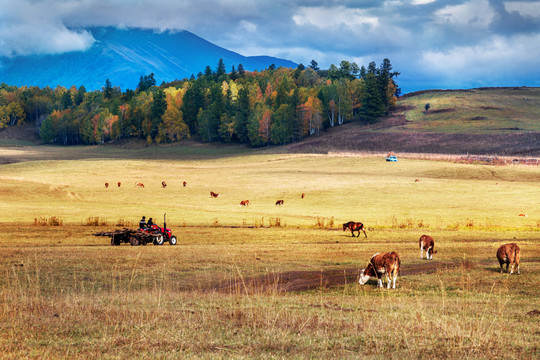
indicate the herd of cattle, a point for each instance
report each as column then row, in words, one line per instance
column 140, row 184
column 389, row 263
column 212, row 194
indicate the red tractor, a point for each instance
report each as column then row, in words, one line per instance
column 163, row 234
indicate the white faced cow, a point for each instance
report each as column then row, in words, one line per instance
column 427, row 243
column 387, row 263
column 509, row 254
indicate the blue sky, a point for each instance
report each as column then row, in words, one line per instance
column 434, row 44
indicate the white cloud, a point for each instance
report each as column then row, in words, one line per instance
column 527, row 9
column 35, row 28
column 422, row 2
column 248, row 26
column 498, row 59
column 329, row 17
column 478, row 14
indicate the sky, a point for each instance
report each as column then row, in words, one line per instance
column 434, row 44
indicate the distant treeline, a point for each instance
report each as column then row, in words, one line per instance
column 273, row 106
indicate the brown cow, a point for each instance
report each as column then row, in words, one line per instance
column 509, row 254
column 119, row 184
column 279, row 202
column 213, row 194
column 163, row 184
column 184, row 183
column 427, row 243
column 303, row 195
column 523, row 214
column 139, row 184
column 354, row 226
column 387, row 263
column 106, row 185
column 244, row 203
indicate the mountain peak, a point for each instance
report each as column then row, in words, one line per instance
column 123, row 55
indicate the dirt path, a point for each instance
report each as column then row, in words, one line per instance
column 294, row 281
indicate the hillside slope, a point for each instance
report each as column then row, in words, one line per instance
column 123, row 56
column 494, row 121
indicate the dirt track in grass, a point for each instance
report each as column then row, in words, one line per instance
column 296, row 281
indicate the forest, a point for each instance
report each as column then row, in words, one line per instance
column 274, row 106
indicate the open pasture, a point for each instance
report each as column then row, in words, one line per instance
column 242, row 282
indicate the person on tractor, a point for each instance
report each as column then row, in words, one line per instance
column 149, row 223
column 142, row 223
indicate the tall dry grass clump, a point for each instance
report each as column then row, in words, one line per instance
column 51, row 221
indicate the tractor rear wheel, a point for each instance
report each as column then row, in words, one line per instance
column 172, row 240
column 158, row 240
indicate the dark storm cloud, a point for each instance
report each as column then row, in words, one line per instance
column 428, row 41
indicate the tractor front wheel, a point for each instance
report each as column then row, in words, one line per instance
column 172, row 240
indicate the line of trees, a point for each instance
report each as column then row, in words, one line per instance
column 273, row 106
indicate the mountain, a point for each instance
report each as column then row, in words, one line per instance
column 122, row 56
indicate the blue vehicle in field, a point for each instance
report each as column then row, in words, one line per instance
column 391, row 158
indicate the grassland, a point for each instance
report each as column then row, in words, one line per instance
column 68, row 294
column 490, row 121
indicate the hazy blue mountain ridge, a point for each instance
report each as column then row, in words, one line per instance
column 123, row 56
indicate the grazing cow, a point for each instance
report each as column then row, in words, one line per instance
column 417, row 180
column 426, row 243
column 387, row 263
column 522, row 214
column 213, row 194
column 139, row 184
column 303, row 195
column 279, row 202
column 119, row 184
column 184, row 183
column 509, row 254
column 244, row 203
column 163, row 184
column 106, row 185
column 354, row 226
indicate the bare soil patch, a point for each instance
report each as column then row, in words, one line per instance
column 296, row 281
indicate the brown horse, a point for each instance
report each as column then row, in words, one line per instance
column 354, row 226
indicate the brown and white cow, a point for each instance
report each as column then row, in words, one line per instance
column 388, row 264
column 427, row 243
column 354, row 226
column 139, row 184
column 279, row 202
column 244, row 203
column 119, row 184
column 163, row 184
column 509, row 254
column 213, row 194
column 106, row 185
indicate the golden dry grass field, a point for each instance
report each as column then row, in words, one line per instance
column 263, row 281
